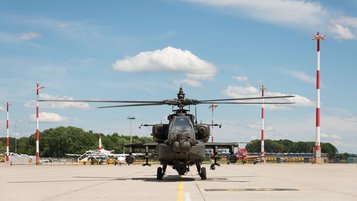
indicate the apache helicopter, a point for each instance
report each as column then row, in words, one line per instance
column 182, row 142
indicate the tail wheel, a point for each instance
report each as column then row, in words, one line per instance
column 159, row 174
column 203, row 173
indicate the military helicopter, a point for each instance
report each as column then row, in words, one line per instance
column 182, row 142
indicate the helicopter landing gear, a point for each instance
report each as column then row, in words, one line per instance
column 146, row 157
column 214, row 164
column 201, row 171
column 181, row 168
column 146, row 161
column 161, row 172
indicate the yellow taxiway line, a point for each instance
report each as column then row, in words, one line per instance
column 180, row 195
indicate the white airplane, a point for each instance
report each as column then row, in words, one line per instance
column 101, row 155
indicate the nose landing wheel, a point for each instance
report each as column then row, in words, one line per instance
column 201, row 171
column 161, row 172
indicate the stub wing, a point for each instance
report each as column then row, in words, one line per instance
column 135, row 146
column 221, row 145
column 142, row 145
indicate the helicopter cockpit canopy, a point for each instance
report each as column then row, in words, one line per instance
column 181, row 125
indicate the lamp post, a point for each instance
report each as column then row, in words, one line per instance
column 213, row 106
column 37, row 88
column 7, row 132
column 131, row 118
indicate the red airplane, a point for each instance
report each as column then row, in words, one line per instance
column 243, row 156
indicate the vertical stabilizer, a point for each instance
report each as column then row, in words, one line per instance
column 100, row 147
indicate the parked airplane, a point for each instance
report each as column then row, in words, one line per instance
column 101, row 156
column 242, row 155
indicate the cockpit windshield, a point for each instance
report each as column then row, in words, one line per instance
column 181, row 124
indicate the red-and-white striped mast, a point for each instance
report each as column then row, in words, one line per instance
column 7, row 132
column 318, row 37
column 262, row 132
column 37, row 88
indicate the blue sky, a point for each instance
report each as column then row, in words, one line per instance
column 145, row 50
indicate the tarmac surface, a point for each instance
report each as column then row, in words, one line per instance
column 228, row 182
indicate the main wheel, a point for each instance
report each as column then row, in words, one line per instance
column 203, row 173
column 159, row 174
column 232, row 158
column 129, row 159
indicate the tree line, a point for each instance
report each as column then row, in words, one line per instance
column 57, row 142
column 288, row 146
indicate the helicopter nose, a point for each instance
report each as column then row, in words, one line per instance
column 182, row 146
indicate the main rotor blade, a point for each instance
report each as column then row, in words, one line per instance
column 132, row 105
column 249, row 98
column 99, row 101
column 246, row 103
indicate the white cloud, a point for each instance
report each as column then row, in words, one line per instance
column 6, row 37
column 75, row 30
column 351, row 119
column 239, row 92
column 342, row 32
column 241, row 78
column 2, row 109
column 330, row 136
column 297, row 14
column 36, row 22
column 169, row 59
column 27, row 36
column 48, row 117
column 337, row 124
column 250, row 91
column 192, row 83
column 275, row 11
column 257, row 126
column 298, row 99
column 58, row 105
column 350, row 21
column 301, row 76
column 344, row 27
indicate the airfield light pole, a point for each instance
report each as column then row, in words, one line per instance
column 262, row 132
column 317, row 149
column 7, row 131
column 37, row 88
column 213, row 106
column 131, row 118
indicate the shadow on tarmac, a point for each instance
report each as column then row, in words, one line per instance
column 150, row 178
